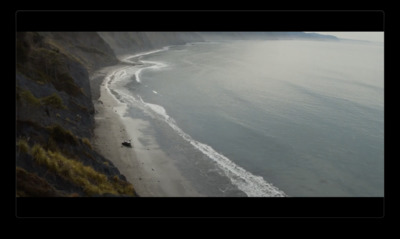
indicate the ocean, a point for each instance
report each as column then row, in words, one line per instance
column 265, row 118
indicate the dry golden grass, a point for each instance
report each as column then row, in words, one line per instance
column 92, row 182
column 23, row 146
column 87, row 142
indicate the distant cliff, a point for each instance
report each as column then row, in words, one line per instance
column 133, row 42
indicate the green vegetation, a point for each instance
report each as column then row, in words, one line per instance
column 87, row 142
column 28, row 97
column 89, row 179
column 59, row 134
column 53, row 100
column 23, row 146
column 47, row 65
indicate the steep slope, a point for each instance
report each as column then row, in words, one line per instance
column 133, row 42
column 55, row 117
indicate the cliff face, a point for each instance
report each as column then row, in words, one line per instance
column 86, row 47
column 55, row 117
column 133, row 42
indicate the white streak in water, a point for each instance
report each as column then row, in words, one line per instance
column 252, row 185
column 129, row 58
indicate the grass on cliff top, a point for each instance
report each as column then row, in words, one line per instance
column 92, row 182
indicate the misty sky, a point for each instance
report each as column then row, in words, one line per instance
column 368, row 36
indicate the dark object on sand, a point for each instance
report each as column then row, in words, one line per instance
column 127, row 143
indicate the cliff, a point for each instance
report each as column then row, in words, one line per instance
column 55, row 117
column 133, row 42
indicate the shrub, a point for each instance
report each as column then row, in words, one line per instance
column 87, row 142
column 86, row 177
column 28, row 97
column 39, row 154
column 53, row 100
column 23, row 146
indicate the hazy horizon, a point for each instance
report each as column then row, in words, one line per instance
column 363, row 36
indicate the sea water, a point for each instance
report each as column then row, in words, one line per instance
column 265, row 118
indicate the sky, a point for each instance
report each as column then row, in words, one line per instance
column 367, row 36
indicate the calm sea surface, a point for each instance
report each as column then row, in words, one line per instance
column 304, row 116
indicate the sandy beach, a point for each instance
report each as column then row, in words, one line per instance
column 145, row 165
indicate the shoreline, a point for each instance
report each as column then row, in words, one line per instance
column 146, row 166
column 150, row 168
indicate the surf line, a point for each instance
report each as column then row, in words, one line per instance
column 146, row 64
column 252, row 185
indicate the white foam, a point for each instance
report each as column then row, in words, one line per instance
column 152, row 65
column 137, row 73
column 128, row 58
column 252, row 185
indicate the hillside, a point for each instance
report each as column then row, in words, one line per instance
column 54, row 117
column 133, row 42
